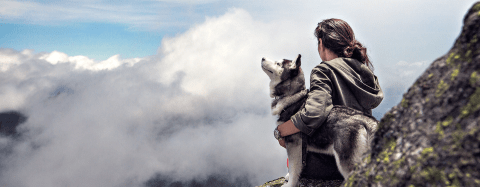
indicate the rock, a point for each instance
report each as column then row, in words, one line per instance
column 432, row 138
column 304, row 183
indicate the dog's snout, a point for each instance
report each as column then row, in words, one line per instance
column 263, row 59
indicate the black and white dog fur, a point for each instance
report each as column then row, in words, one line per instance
column 346, row 134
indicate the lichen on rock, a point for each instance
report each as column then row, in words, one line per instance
column 304, row 183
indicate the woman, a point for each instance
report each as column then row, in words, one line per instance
column 344, row 77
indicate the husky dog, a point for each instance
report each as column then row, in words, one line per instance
column 346, row 133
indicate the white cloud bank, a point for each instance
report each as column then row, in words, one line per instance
column 198, row 108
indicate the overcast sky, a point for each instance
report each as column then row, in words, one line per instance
column 117, row 92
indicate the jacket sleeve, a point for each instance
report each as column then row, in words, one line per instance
column 318, row 103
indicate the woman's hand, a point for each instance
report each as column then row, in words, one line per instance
column 282, row 143
column 286, row 129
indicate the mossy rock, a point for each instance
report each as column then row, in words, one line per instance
column 304, row 183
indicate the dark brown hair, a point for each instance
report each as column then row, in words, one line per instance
column 338, row 36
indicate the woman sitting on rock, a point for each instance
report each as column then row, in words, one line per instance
column 350, row 83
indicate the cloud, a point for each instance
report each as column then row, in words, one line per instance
column 83, row 62
column 198, row 108
column 402, row 74
column 395, row 81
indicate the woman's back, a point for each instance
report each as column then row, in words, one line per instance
column 352, row 84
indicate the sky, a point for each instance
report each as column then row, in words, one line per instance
column 119, row 92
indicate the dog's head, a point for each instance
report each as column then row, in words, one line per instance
column 286, row 76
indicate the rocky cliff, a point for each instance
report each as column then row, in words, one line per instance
column 432, row 138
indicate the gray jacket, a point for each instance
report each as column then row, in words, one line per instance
column 341, row 81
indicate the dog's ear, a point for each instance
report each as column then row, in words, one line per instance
column 296, row 63
column 295, row 66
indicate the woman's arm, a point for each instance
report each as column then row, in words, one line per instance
column 317, row 107
column 318, row 104
column 286, row 129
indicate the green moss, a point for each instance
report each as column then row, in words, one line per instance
column 433, row 174
column 454, row 74
column 473, row 41
column 439, row 130
column 445, row 148
column 277, row 182
column 476, row 7
column 456, row 183
column 427, row 151
column 378, row 178
column 450, row 58
column 473, row 131
column 448, row 121
column 454, row 178
column 451, row 175
column 473, row 78
column 368, row 159
column 398, row 163
column 392, row 144
column 472, row 105
column 458, row 136
column 393, row 180
column 468, row 53
column 470, row 46
column 430, row 75
column 441, row 88
column 350, row 180
column 387, row 151
column 412, row 168
column 404, row 103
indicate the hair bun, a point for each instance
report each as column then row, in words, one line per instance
column 357, row 45
column 348, row 51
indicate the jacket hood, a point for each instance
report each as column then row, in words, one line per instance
column 360, row 79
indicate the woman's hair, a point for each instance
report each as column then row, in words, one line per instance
column 338, row 36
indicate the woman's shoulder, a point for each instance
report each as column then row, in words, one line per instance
column 322, row 67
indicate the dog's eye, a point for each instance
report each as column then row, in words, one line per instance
column 277, row 63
